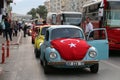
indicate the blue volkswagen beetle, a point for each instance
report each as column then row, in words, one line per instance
column 66, row 46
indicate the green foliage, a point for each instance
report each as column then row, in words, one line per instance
column 41, row 10
column 32, row 12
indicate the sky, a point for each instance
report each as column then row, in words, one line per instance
column 24, row 6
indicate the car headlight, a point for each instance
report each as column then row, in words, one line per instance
column 53, row 55
column 40, row 44
column 92, row 54
column 30, row 31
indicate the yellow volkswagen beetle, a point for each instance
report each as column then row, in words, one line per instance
column 39, row 39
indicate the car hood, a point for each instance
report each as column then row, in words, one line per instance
column 71, row 49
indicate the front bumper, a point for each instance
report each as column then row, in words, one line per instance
column 72, row 63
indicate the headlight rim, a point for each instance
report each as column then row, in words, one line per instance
column 92, row 55
column 51, row 55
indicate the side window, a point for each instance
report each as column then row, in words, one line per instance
column 47, row 35
column 97, row 35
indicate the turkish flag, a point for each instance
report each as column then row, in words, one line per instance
column 71, row 48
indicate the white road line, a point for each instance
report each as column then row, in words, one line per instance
column 111, row 64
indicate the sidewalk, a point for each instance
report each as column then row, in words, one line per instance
column 15, row 41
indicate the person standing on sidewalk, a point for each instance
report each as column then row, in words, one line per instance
column 7, row 29
column 3, row 25
column 15, row 28
column 25, row 29
column 88, row 27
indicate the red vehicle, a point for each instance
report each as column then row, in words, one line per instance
column 105, row 14
column 34, row 33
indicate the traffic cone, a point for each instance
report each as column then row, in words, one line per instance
column 3, row 53
column 7, row 49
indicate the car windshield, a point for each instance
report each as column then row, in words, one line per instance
column 43, row 30
column 66, row 33
column 73, row 19
column 39, row 23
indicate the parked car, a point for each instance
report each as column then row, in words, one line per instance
column 29, row 29
column 34, row 33
column 39, row 39
column 61, row 49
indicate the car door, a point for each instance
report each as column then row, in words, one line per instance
column 98, row 39
column 44, row 45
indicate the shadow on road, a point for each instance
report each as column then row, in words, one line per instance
column 113, row 53
column 56, row 71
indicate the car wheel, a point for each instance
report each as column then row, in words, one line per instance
column 94, row 68
column 32, row 42
column 37, row 54
column 45, row 66
column 41, row 62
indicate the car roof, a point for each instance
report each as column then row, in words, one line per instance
column 45, row 26
column 63, row 26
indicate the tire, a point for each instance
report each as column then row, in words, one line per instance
column 45, row 66
column 41, row 62
column 94, row 68
column 37, row 53
column 32, row 41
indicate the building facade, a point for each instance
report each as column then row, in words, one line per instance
column 5, row 8
column 65, row 5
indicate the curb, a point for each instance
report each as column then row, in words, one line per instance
column 1, row 70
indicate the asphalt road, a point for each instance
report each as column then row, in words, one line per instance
column 22, row 65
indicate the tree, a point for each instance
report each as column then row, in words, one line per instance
column 32, row 12
column 41, row 10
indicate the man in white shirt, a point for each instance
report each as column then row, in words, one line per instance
column 88, row 27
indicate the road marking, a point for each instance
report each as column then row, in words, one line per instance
column 111, row 64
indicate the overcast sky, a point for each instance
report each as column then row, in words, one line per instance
column 23, row 6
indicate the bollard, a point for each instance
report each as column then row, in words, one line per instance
column 3, row 53
column 7, row 49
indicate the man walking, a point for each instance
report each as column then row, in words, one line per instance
column 3, row 25
column 7, row 30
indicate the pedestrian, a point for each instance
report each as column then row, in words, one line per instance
column 3, row 25
column 25, row 29
column 7, row 29
column 15, row 28
column 88, row 27
column 44, row 22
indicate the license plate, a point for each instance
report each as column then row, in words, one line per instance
column 74, row 63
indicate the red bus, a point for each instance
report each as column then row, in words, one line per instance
column 105, row 14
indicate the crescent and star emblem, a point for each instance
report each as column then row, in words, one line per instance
column 62, row 41
column 71, row 44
